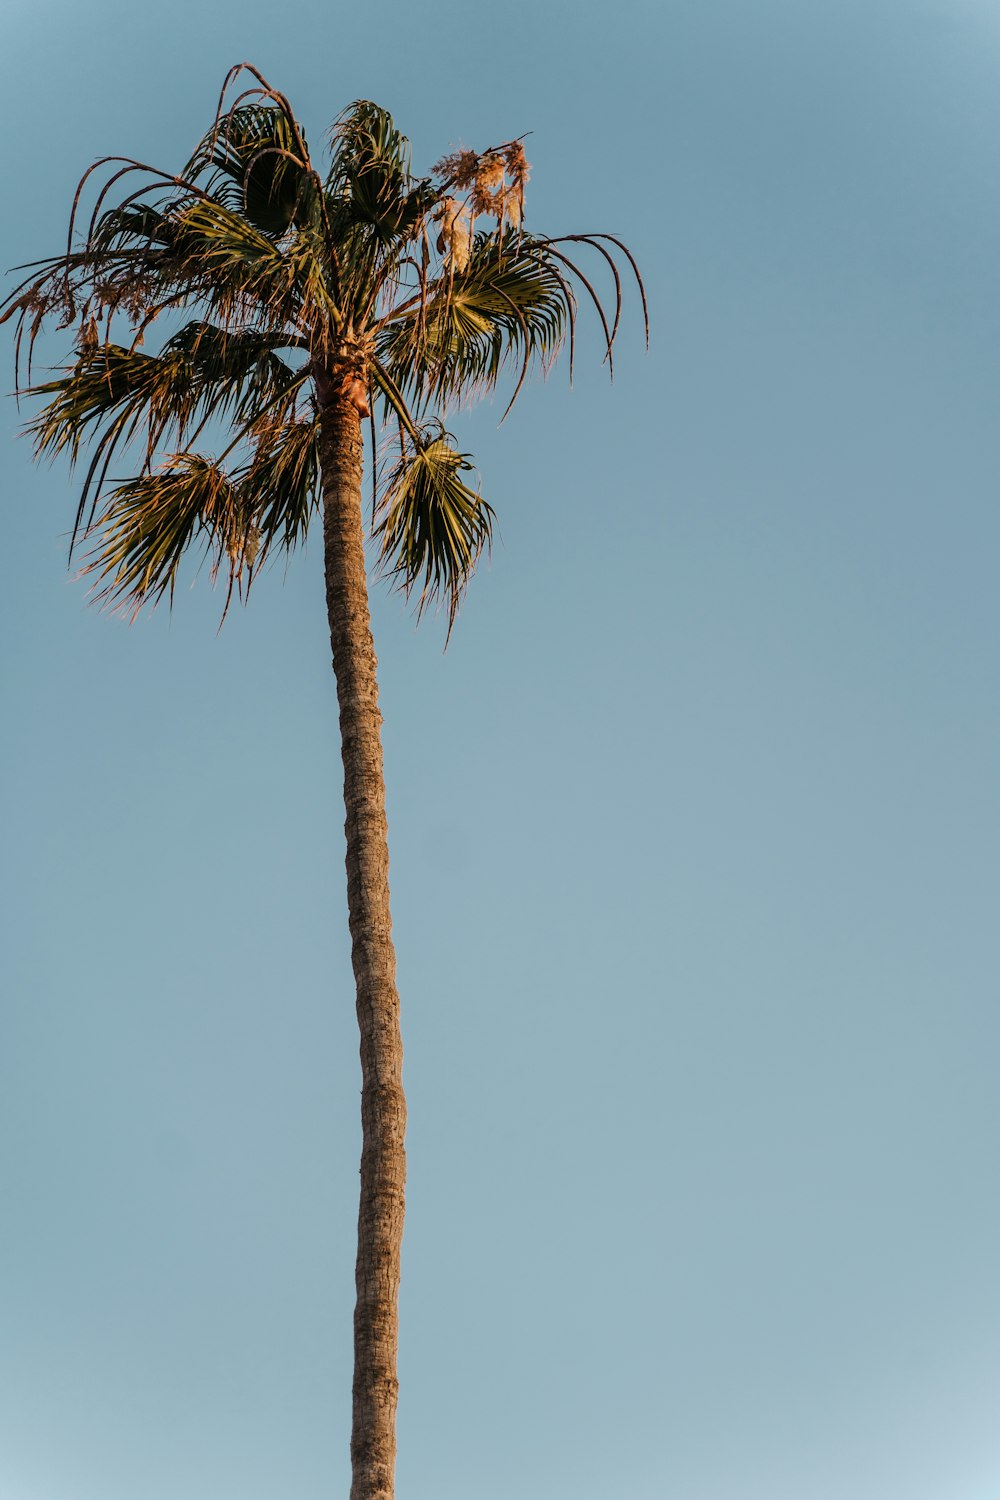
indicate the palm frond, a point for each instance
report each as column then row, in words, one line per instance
column 202, row 371
column 113, row 394
column 253, row 161
column 433, row 525
column 170, row 243
column 371, row 162
column 150, row 521
column 595, row 242
column 375, row 207
column 240, row 275
column 510, row 305
column 281, row 483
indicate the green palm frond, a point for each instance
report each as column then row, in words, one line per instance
column 134, row 227
column 191, row 251
column 241, row 275
column 281, row 484
column 376, row 209
column 511, row 305
column 150, row 522
column 369, row 178
column 114, row 394
column 433, row 526
column 202, row 371
column 254, row 162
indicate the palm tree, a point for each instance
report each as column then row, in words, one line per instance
column 315, row 299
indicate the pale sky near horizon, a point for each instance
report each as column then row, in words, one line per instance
column 694, row 828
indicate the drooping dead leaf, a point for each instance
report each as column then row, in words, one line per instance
column 89, row 337
column 518, row 169
column 488, row 192
column 518, row 166
column 457, row 170
column 455, row 239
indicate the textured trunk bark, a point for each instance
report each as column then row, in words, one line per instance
column 383, row 1107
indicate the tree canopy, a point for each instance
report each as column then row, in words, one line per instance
column 274, row 280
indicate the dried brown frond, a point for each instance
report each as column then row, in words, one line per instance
column 457, row 170
column 89, row 336
column 242, row 547
column 517, row 164
column 488, row 190
column 455, row 238
column 519, row 170
column 485, row 202
column 489, row 174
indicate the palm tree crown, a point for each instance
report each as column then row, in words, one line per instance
column 409, row 294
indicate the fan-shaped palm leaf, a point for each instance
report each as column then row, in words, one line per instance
column 433, row 525
column 257, row 162
column 510, row 305
column 149, row 523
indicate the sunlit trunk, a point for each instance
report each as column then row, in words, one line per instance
column 383, row 1107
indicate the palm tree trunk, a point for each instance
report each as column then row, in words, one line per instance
column 383, row 1107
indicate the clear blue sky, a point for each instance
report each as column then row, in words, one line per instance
column 694, row 828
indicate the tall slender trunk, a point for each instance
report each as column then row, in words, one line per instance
column 383, row 1107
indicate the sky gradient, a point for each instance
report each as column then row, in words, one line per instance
column 694, row 828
